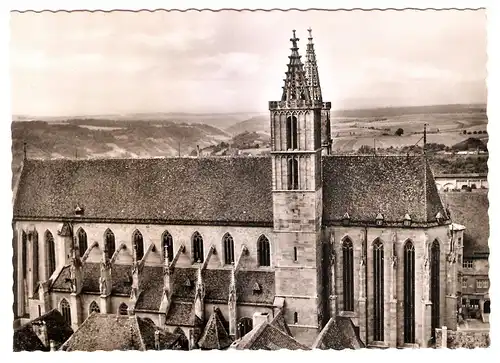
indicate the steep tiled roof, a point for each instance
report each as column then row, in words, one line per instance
column 366, row 185
column 201, row 190
column 181, row 313
column 470, row 209
column 279, row 322
column 247, row 280
column 338, row 333
column 268, row 337
column 110, row 332
column 58, row 331
column 152, row 288
column 216, row 284
column 120, row 274
column 184, row 283
column 171, row 189
column 166, row 339
column 215, row 335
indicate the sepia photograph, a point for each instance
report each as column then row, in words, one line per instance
column 249, row 180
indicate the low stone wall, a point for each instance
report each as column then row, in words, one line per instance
column 462, row 339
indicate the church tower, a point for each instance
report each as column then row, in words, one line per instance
column 297, row 199
column 312, row 76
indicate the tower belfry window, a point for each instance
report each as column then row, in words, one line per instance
column 291, row 133
column 435, row 288
column 138, row 245
column 293, row 174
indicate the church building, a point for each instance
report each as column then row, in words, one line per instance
column 201, row 243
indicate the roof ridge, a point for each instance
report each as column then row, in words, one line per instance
column 304, row 347
column 136, row 320
column 322, row 333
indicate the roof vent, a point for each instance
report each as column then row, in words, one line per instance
column 439, row 217
column 256, row 288
column 407, row 220
column 346, row 218
column 188, row 283
column 79, row 210
column 379, row 219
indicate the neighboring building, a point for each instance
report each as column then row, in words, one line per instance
column 301, row 233
column 47, row 332
column 471, row 209
column 109, row 332
column 449, row 182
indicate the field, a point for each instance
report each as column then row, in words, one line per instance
column 172, row 134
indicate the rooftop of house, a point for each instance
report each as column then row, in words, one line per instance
column 202, row 190
column 339, row 333
column 58, row 331
column 471, row 211
column 108, row 332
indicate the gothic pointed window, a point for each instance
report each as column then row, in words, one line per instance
column 295, row 317
column 82, row 241
column 197, row 243
column 34, row 239
column 109, row 243
column 245, row 325
column 66, row 311
column 409, row 292
column 293, row 174
column 295, row 254
column 348, row 274
column 435, row 288
column 228, row 243
column 291, row 133
column 138, row 244
column 94, row 308
column 51, row 253
column 123, row 309
column 378, row 291
column 167, row 246
column 24, row 252
column 264, row 251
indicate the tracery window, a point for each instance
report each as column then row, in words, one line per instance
column 24, row 252
column 295, row 254
column 378, row 291
column 109, row 243
column 36, row 257
column 82, row 241
column 264, row 251
column 295, row 317
column 167, row 245
column 435, row 288
column 66, row 311
column 138, row 243
column 348, row 274
column 94, row 308
column 197, row 243
column 228, row 249
column 51, row 253
column 409, row 292
column 291, row 133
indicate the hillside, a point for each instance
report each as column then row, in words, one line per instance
column 255, row 124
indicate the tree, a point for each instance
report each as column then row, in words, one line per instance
column 464, row 132
column 399, row 132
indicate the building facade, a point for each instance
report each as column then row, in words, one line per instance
column 301, row 233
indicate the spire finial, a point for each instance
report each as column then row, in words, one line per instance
column 294, row 40
column 310, row 33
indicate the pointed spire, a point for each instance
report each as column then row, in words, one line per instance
column 312, row 73
column 295, row 88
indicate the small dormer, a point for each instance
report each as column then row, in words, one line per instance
column 439, row 218
column 188, row 283
column 407, row 220
column 379, row 219
column 346, row 219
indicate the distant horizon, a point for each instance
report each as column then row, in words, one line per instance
column 476, row 104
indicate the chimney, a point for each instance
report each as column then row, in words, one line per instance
column 52, row 346
column 157, row 339
column 260, row 318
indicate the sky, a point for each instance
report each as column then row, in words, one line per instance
column 124, row 62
